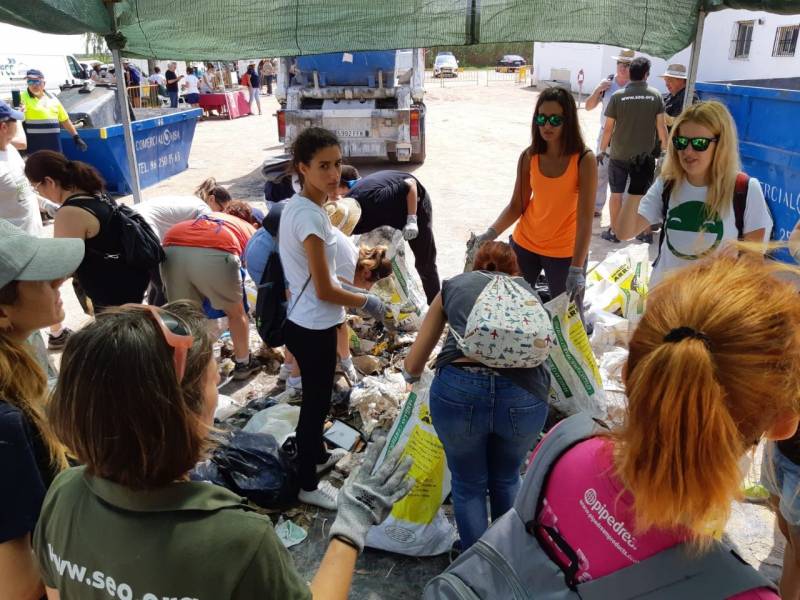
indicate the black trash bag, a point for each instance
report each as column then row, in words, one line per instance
column 253, row 465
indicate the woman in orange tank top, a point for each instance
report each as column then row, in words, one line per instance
column 553, row 200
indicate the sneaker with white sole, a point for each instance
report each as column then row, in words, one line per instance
column 290, row 394
column 334, row 456
column 244, row 370
column 324, row 496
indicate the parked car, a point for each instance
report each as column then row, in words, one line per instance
column 445, row 65
column 510, row 63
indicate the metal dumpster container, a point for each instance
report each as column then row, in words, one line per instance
column 349, row 68
column 767, row 122
column 163, row 143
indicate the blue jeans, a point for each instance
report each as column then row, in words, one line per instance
column 173, row 99
column 486, row 424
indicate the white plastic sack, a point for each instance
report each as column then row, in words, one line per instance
column 615, row 401
column 618, row 284
column 377, row 399
column 279, row 420
column 576, row 384
column 417, row 525
column 608, row 331
column 404, row 299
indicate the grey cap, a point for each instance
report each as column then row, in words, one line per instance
column 27, row 258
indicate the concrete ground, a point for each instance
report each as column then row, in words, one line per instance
column 475, row 133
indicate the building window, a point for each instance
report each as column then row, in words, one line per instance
column 785, row 41
column 742, row 37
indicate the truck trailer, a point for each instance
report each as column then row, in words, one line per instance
column 373, row 101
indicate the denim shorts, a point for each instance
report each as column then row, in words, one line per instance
column 781, row 477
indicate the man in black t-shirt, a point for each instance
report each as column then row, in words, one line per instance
column 399, row 200
column 172, row 84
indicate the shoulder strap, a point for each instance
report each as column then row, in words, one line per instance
column 665, row 195
column 300, row 295
column 740, row 201
column 561, row 438
column 582, row 154
column 678, row 573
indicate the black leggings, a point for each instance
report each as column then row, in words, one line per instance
column 315, row 352
column 555, row 269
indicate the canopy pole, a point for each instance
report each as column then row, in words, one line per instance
column 695, row 59
column 122, row 102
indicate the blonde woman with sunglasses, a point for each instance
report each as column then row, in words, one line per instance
column 695, row 198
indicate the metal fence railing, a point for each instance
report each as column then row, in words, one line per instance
column 478, row 77
column 144, row 96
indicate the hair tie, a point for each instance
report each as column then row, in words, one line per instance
column 681, row 333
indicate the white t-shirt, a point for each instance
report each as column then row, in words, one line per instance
column 157, row 79
column 346, row 257
column 191, row 84
column 165, row 211
column 689, row 235
column 18, row 201
column 300, row 219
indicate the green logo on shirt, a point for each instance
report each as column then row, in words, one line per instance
column 690, row 233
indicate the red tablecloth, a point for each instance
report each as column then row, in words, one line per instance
column 230, row 104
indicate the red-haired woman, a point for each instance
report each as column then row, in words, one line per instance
column 487, row 419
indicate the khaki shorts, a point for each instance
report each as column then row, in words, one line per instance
column 197, row 273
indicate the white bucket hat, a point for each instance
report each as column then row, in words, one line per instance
column 27, row 258
column 678, row 71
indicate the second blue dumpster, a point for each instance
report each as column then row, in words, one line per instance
column 767, row 123
column 162, row 146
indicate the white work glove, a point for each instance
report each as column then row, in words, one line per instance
column 576, row 282
column 365, row 499
column 49, row 207
column 474, row 244
column 374, row 307
column 410, row 231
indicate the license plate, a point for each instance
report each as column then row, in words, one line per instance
column 350, row 133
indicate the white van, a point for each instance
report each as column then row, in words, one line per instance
column 58, row 69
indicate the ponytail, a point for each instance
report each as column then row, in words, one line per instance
column 208, row 188
column 681, row 445
column 713, row 365
column 69, row 174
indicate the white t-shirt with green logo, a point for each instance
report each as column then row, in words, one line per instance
column 689, row 234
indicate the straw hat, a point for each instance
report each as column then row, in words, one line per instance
column 344, row 214
column 625, row 56
column 676, row 70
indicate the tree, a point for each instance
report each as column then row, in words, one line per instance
column 95, row 44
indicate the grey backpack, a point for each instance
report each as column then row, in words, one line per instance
column 509, row 562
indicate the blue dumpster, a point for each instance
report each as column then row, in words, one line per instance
column 162, row 149
column 349, row 68
column 767, row 121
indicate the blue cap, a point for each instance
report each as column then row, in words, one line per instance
column 34, row 73
column 6, row 113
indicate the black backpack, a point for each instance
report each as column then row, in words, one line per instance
column 271, row 298
column 141, row 248
column 739, row 207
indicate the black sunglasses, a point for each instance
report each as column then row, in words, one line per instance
column 700, row 144
column 554, row 120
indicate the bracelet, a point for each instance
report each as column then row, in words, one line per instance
column 346, row 541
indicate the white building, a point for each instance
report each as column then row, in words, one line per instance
column 737, row 45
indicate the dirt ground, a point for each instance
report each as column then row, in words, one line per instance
column 475, row 133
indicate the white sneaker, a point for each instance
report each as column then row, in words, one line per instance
column 290, row 394
column 334, row 456
column 324, row 496
column 285, row 372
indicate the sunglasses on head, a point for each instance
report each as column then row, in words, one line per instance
column 700, row 144
column 175, row 333
column 554, row 120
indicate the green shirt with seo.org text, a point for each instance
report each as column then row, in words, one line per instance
column 186, row 541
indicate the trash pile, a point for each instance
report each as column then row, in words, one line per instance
column 255, row 451
column 616, row 292
column 255, row 456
